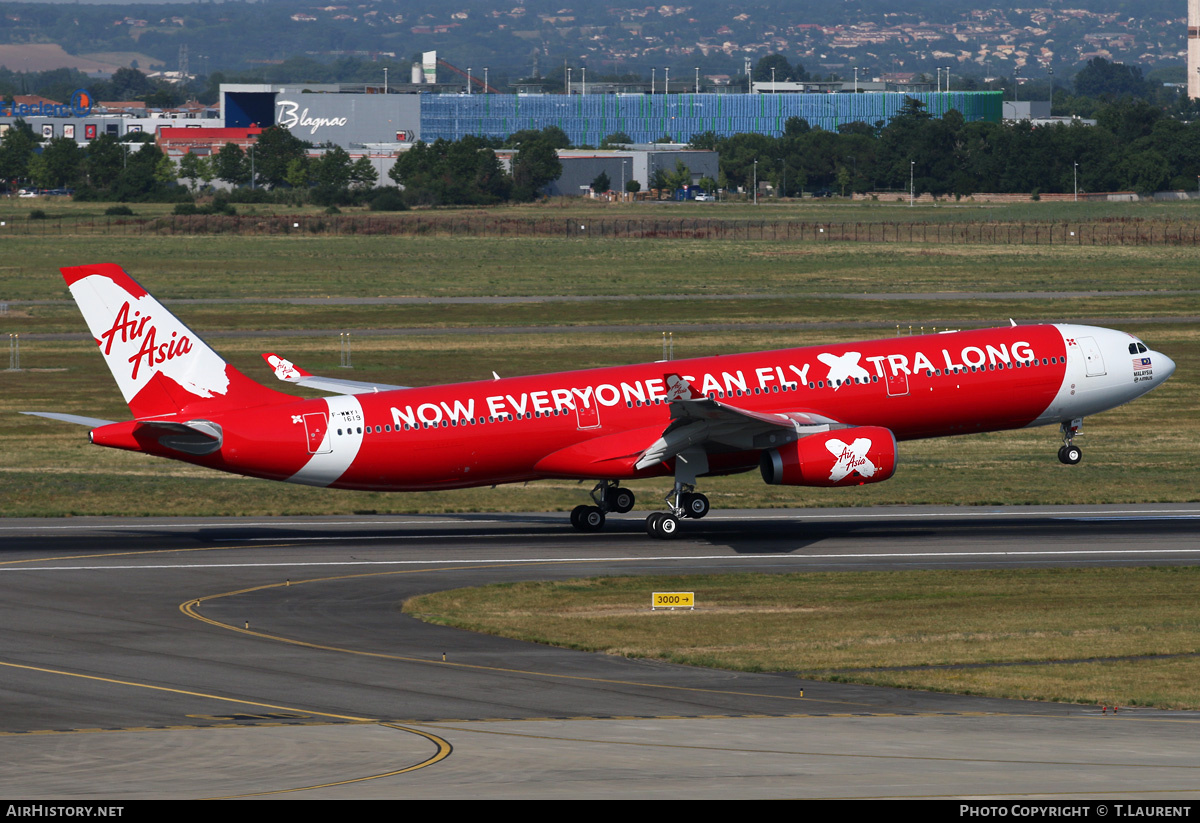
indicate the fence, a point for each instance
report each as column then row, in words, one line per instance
column 1131, row 232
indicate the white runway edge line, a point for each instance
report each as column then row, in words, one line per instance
column 767, row 515
column 796, row 558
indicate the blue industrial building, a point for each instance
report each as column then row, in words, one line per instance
column 352, row 119
column 589, row 118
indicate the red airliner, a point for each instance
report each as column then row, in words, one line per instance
column 811, row 416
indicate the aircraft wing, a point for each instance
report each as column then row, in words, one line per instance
column 289, row 372
column 702, row 423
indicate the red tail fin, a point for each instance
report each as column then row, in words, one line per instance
column 161, row 366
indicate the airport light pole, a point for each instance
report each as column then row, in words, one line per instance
column 1076, row 180
column 568, row 82
column 697, row 79
column 385, row 85
column 912, row 166
column 756, row 182
column 1051, row 70
column 468, row 79
column 667, row 80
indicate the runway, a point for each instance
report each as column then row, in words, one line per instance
column 170, row 658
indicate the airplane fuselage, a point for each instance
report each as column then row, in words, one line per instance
column 583, row 424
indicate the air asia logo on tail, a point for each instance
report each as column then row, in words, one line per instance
column 139, row 338
column 850, row 458
column 150, row 352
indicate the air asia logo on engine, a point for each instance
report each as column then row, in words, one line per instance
column 150, row 351
column 851, row 458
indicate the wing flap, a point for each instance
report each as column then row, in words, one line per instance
column 699, row 422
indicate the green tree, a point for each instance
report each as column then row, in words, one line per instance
column 535, row 166
column 363, row 174
column 61, row 163
column 333, row 169
column 618, row 138
column 16, row 150
column 104, row 162
column 274, row 152
column 232, row 165
column 189, row 169
column 297, row 175
column 443, row 172
column 601, row 184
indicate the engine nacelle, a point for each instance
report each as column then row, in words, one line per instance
column 843, row 457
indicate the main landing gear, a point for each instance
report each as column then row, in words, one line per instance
column 687, row 503
column 609, row 497
column 1070, row 453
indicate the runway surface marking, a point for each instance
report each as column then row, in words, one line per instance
column 774, row 557
column 190, row 606
column 137, row 553
column 443, row 747
column 184, row 692
column 443, row 727
column 715, row 516
column 444, row 750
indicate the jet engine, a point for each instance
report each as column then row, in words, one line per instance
column 842, row 457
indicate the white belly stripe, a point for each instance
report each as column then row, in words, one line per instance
column 345, row 413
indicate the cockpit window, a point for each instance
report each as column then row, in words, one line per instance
column 1137, row 348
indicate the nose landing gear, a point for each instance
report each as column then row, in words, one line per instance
column 1070, row 454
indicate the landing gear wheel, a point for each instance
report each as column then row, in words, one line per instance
column 587, row 518
column 694, row 505
column 1070, row 455
column 621, row 500
column 662, row 525
column 577, row 516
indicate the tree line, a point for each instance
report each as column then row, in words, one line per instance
column 1133, row 147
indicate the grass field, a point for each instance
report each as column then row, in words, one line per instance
column 1058, row 634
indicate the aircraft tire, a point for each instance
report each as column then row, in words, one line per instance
column 592, row 518
column 1070, row 455
column 695, row 506
column 622, row 500
column 652, row 523
column 577, row 517
column 668, row 526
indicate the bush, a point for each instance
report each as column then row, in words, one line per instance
column 37, row 214
column 388, row 199
column 120, row 211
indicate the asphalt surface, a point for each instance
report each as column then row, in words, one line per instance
column 149, row 658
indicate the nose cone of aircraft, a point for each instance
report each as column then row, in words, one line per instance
column 1165, row 366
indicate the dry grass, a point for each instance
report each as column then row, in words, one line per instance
column 1058, row 634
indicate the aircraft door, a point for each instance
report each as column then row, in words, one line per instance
column 316, row 429
column 1092, row 356
column 897, row 384
column 587, row 410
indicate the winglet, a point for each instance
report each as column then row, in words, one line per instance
column 678, row 388
column 285, row 370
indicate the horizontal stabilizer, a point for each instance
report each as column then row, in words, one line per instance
column 77, row 419
column 289, row 372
